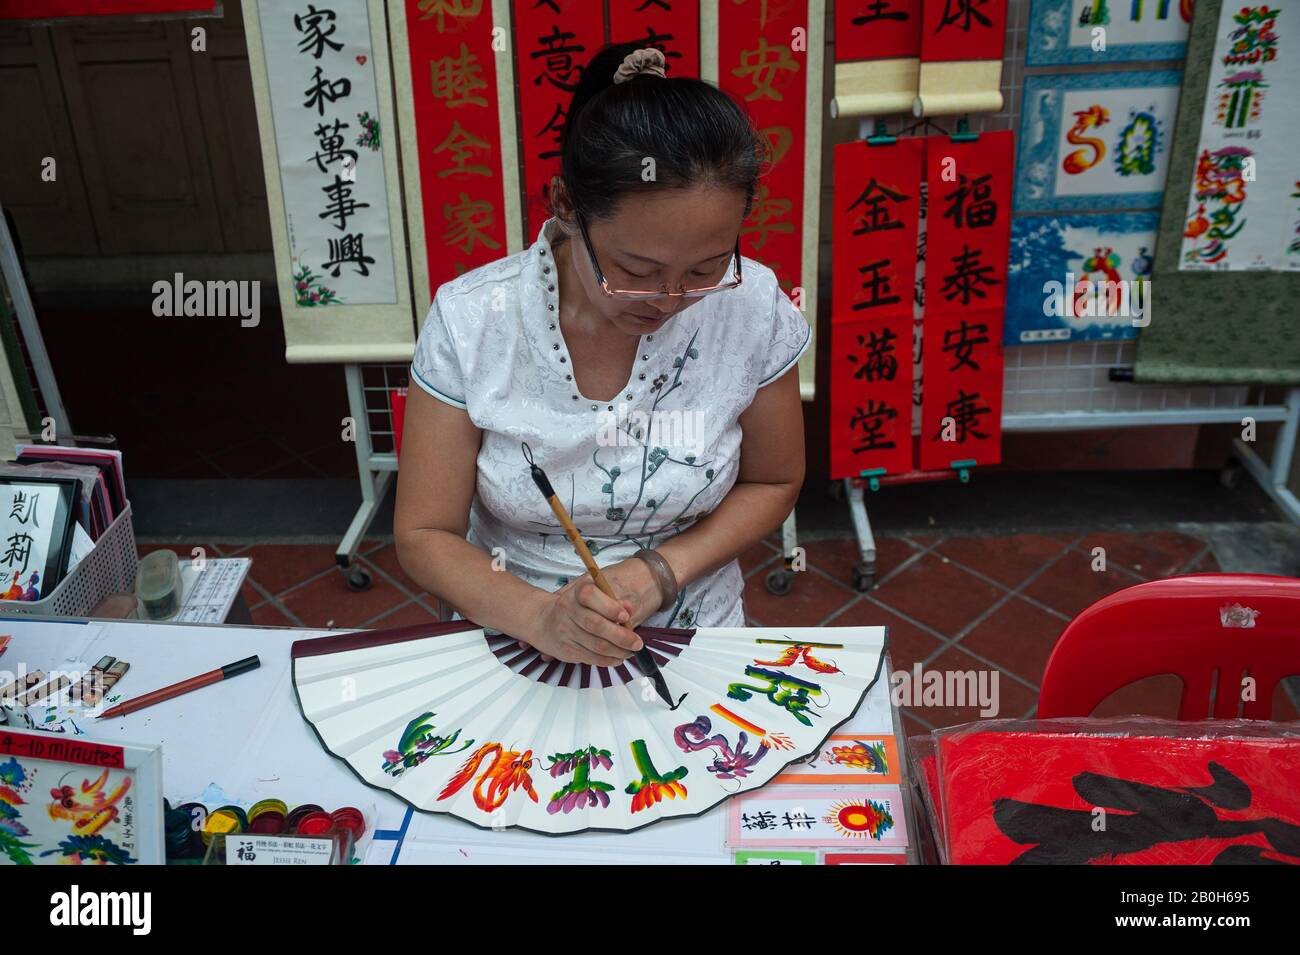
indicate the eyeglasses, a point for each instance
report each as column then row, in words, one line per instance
column 636, row 295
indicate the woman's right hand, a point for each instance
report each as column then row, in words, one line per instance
column 580, row 624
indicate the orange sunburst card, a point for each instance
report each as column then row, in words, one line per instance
column 839, row 817
column 850, row 760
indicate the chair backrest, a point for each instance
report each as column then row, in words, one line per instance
column 1212, row 630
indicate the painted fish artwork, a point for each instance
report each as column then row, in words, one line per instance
column 456, row 720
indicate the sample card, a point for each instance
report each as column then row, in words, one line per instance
column 1098, row 33
column 799, row 816
column 1095, row 140
column 1079, row 277
column 1244, row 209
column 74, row 801
column 853, row 760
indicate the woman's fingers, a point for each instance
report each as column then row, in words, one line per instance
column 591, row 597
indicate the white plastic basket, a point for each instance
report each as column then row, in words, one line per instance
column 109, row 568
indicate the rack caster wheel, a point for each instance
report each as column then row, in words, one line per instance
column 358, row 580
column 864, row 578
column 779, row 581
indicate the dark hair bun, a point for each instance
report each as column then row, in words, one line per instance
column 695, row 133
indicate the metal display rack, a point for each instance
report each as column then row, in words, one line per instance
column 1068, row 385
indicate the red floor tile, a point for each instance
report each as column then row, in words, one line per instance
column 757, row 555
column 1012, row 699
column 329, row 602
column 1018, row 637
column 407, row 615
column 908, row 643
column 269, row 615
column 277, row 567
column 838, row 557
column 812, row 598
column 938, row 594
column 913, row 728
column 1008, row 560
column 1151, row 555
column 1071, row 584
column 385, row 558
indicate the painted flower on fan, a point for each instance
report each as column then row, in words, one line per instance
column 653, row 786
column 582, row 791
column 778, row 741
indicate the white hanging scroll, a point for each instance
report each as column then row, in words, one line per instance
column 325, row 114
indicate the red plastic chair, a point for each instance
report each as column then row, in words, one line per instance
column 1189, row 626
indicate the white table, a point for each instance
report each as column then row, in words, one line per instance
column 247, row 737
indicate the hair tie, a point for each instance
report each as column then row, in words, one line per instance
column 649, row 60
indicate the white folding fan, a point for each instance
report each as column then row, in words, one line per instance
column 454, row 720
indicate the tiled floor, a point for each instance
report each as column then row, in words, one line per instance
column 978, row 603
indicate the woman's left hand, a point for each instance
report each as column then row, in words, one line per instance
column 636, row 586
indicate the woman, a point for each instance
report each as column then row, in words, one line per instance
column 669, row 421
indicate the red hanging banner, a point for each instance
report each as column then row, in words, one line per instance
column 877, row 29
column 758, row 64
column 963, row 29
column 672, row 26
column 968, row 231
column 877, row 204
column 554, row 39
column 454, row 94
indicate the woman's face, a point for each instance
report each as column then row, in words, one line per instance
column 678, row 237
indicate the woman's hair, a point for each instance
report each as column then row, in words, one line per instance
column 695, row 133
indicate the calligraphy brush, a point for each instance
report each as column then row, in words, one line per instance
column 184, row 686
column 643, row 658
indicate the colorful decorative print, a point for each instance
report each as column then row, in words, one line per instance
column 814, row 818
column 1079, row 277
column 1063, row 31
column 68, row 809
column 617, row 757
column 1095, row 140
column 1192, row 799
column 1238, row 216
column 848, row 760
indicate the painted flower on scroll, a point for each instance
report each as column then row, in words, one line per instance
column 868, row 756
column 307, row 290
column 860, row 819
column 729, row 763
column 417, row 744
column 652, row 786
column 369, row 131
column 507, row 772
column 582, row 791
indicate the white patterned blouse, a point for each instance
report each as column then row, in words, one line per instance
column 633, row 471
